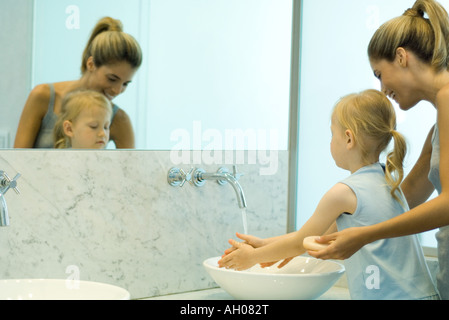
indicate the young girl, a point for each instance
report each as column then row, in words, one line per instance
column 84, row 121
column 108, row 65
column 410, row 56
column 362, row 127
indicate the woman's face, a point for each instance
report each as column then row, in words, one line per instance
column 396, row 82
column 111, row 79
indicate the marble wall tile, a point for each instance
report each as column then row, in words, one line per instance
column 112, row 217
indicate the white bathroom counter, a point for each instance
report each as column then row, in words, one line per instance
column 334, row 293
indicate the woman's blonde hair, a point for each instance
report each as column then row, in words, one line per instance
column 427, row 38
column 109, row 44
column 72, row 105
column 372, row 119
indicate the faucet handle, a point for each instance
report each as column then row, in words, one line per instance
column 14, row 183
column 236, row 175
column 8, row 183
column 178, row 177
column 186, row 176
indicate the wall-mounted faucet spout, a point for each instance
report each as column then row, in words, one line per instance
column 178, row 177
column 222, row 176
column 4, row 217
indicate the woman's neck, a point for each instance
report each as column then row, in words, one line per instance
column 430, row 83
column 83, row 82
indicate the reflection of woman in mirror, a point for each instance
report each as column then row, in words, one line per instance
column 84, row 121
column 109, row 62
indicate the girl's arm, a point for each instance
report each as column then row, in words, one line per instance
column 33, row 112
column 427, row 216
column 337, row 200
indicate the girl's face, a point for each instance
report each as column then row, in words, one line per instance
column 90, row 129
column 396, row 82
column 111, row 79
column 338, row 144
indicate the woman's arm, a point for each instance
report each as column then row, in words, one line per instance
column 416, row 186
column 33, row 112
column 337, row 200
column 122, row 131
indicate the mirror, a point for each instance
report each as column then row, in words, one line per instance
column 215, row 74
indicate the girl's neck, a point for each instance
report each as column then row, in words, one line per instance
column 357, row 168
column 360, row 163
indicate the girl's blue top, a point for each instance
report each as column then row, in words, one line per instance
column 389, row 268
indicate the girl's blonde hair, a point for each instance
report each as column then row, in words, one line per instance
column 427, row 38
column 72, row 105
column 109, row 44
column 372, row 119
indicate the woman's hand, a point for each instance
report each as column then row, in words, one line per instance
column 343, row 244
column 283, row 263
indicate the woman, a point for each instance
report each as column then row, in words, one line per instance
column 409, row 55
column 109, row 61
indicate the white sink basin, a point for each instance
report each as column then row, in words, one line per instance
column 302, row 278
column 59, row 289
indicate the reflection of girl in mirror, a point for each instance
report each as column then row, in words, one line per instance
column 84, row 121
column 109, row 62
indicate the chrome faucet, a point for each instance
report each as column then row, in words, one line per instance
column 177, row 177
column 4, row 218
column 222, row 176
column 5, row 184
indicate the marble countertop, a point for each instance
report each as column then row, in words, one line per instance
column 334, row 293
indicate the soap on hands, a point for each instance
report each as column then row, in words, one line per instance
column 309, row 243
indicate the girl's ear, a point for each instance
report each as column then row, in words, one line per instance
column 350, row 141
column 67, row 126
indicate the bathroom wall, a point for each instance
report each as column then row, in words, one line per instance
column 16, row 25
column 112, row 217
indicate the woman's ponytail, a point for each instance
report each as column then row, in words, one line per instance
column 439, row 22
column 427, row 37
column 109, row 44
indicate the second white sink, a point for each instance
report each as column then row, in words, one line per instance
column 59, row 289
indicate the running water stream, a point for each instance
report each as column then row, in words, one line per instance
column 245, row 223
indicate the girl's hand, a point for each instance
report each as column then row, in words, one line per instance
column 253, row 241
column 239, row 258
column 343, row 244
